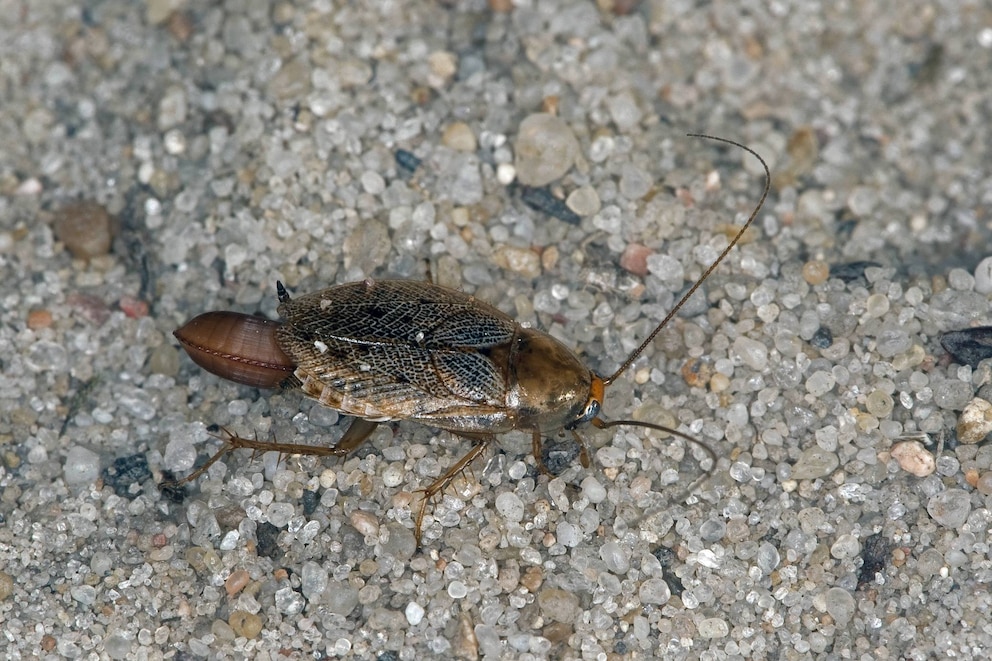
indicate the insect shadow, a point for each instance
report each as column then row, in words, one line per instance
column 386, row 350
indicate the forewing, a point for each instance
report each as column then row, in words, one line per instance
column 406, row 347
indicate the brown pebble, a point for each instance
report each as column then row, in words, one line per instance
column 984, row 484
column 696, row 373
column 236, row 582
column 6, row 585
column 180, row 25
column 635, row 259
column 532, row 579
column 975, row 421
column 86, row 228
column 39, row 318
column 816, row 272
column 89, row 307
column 971, row 477
column 245, row 624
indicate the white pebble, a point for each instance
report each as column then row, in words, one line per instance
column 545, row 149
column 983, row 276
column 414, row 613
column 950, row 508
column 593, row 490
column 82, row 466
column 509, row 505
column 754, row 354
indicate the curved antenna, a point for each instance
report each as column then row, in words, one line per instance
column 599, row 423
column 692, row 290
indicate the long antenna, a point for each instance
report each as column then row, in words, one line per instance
column 692, row 290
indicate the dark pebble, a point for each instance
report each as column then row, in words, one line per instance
column 850, row 271
column 822, row 338
column 541, row 199
column 407, row 160
column 874, row 552
column 559, row 455
column 267, row 536
column 126, row 472
column 310, row 501
column 970, row 346
column 666, row 557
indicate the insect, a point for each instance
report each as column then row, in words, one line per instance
column 385, row 350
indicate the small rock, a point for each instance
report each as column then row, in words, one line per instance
column 39, row 318
column 545, row 149
column 245, row 624
column 983, row 276
column 913, row 458
column 635, row 259
column 519, row 260
column 975, row 421
column 459, row 136
column 584, row 201
column 969, row 346
column 950, row 508
column 815, row 463
column 86, row 228
column 558, row 605
column 840, row 604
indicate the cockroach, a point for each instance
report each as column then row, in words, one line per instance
column 386, row 350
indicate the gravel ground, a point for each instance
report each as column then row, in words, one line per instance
column 164, row 158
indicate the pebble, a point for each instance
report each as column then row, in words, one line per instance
column 593, row 490
column 414, row 613
column 6, row 585
column 970, row 346
column 814, row 463
column 545, row 149
column 983, row 276
column 313, row 580
column 816, row 272
column 524, row 261
column 82, row 466
column 459, row 136
column 616, row 557
column 713, row 627
column 510, row 506
column 624, row 111
column 654, row 591
column 879, row 403
column 753, row 353
column 245, row 624
column 39, row 318
column 975, row 421
column 950, row 508
column 635, row 259
column 117, row 646
column 840, row 605
column 86, row 228
column 584, row 201
column 846, row 547
column 558, row 605
column 365, row 523
column 913, row 458
column 236, row 582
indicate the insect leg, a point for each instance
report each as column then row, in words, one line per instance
column 441, row 483
column 356, row 434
